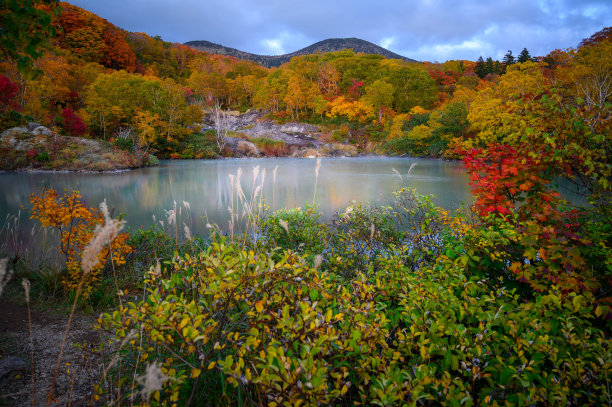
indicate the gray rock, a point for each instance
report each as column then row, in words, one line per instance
column 42, row 131
column 33, row 125
column 11, row 136
column 300, row 128
column 12, row 364
column 248, row 149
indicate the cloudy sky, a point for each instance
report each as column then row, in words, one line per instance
column 429, row 30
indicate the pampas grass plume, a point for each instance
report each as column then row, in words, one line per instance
column 102, row 236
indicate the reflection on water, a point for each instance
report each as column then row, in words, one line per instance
column 205, row 185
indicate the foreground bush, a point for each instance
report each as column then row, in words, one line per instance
column 236, row 326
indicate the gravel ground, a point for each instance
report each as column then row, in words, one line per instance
column 79, row 369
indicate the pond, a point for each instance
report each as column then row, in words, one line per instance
column 202, row 189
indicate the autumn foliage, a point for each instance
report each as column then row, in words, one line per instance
column 8, row 91
column 94, row 39
column 76, row 224
column 73, row 125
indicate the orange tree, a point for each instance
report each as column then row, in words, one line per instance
column 76, row 225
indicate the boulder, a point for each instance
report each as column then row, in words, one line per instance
column 12, row 137
column 248, row 149
column 32, row 125
column 299, row 128
column 12, row 364
column 42, row 131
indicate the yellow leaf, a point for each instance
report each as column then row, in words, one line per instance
column 183, row 323
column 195, row 372
column 259, row 306
column 211, row 365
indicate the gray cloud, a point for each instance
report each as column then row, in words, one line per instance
column 425, row 30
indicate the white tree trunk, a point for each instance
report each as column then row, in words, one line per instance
column 222, row 125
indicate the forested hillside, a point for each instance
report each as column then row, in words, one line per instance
column 151, row 95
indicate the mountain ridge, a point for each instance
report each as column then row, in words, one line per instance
column 327, row 45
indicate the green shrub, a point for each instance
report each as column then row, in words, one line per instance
column 303, row 231
column 13, row 119
column 233, row 327
column 123, row 143
column 42, row 157
column 408, row 307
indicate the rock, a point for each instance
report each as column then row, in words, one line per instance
column 11, row 136
column 33, row 125
column 12, row 364
column 300, row 128
column 248, row 149
column 41, row 131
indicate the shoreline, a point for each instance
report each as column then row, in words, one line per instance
column 125, row 170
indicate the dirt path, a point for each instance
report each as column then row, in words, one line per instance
column 74, row 385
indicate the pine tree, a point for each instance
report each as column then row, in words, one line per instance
column 508, row 58
column 498, row 68
column 480, row 68
column 489, row 66
column 524, row 56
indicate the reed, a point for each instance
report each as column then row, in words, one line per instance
column 314, row 197
column 25, row 283
column 90, row 257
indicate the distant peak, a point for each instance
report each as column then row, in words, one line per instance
column 327, row 45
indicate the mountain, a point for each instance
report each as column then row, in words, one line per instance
column 329, row 45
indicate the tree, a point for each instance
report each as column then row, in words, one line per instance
column 524, row 56
column 8, row 90
column 592, row 73
column 222, row 126
column 24, row 27
column 453, row 120
column 73, row 125
column 412, row 88
column 599, row 36
column 480, row 68
column 379, row 95
column 508, row 59
column 489, row 68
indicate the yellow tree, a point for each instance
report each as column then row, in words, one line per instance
column 354, row 110
column 147, row 124
column 494, row 112
column 379, row 95
column 592, row 73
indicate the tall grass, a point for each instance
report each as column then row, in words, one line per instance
column 245, row 210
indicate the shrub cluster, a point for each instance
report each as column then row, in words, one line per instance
column 379, row 306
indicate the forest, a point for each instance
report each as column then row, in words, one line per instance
column 507, row 302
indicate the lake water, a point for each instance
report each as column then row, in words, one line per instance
column 206, row 187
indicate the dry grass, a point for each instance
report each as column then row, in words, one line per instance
column 102, row 237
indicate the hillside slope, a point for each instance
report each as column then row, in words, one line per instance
column 328, row 45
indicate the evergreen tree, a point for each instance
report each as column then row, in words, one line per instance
column 489, row 66
column 508, row 58
column 498, row 68
column 480, row 68
column 524, row 56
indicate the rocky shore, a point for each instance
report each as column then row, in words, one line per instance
column 37, row 148
column 251, row 132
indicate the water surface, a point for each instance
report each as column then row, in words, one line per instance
column 205, row 186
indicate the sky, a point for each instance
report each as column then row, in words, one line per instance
column 425, row 30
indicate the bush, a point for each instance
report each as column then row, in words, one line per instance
column 42, row 157
column 199, row 145
column 12, row 119
column 299, row 230
column 236, row 327
column 73, row 124
column 271, row 148
column 123, row 143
